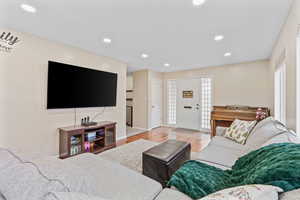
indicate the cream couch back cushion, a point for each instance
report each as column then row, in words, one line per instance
column 264, row 131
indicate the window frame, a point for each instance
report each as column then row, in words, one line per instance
column 206, row 125
column 280, row 92
column 171, row 121
column 298, row 83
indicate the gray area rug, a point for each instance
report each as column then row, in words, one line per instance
column 130, row 155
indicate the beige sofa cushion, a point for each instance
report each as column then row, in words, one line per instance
column 264, row 132
column 114, row 181
column 286, row 137
column 2, row 197
column 227, row 143
column 214, row 164
column 70, row 196
column 23, row 180
column 215, row 154
column 7, row 159
column 221, row 152
column 292, row 195
column 170, row 194
column 262, row 123
column 220, row 131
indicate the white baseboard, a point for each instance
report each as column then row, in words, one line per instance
column 122, row 138
column 142, row 129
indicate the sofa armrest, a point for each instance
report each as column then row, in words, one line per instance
column 220, row 131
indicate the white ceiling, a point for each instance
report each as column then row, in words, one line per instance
column 170, row 31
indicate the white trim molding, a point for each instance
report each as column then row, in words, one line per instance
column 298, row 83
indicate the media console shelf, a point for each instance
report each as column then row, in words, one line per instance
column 75, row 140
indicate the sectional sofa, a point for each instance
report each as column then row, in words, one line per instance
column 88, row 177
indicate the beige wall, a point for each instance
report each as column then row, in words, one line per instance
column 243, row 84
column 140, row 99
column 287, row 42
column 25, row 123
column 129, row 82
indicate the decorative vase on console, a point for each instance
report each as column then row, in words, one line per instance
column 260, row 114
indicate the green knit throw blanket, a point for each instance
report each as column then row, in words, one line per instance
column 276, row 164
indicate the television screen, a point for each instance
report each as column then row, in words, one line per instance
column 77, row 87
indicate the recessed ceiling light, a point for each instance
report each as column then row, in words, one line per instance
column 198, row 2
column 144, row 55
column 167, row 65
column 228, row 54
column 107, row 40
column 219, row 37
column 28, row 8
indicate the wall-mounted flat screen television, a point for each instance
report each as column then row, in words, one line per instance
column 77, row 87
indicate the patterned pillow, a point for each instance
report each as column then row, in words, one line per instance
column 239, row 130
column 247, row 192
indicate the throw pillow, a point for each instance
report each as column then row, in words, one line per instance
column 70, row 196
column 239, row 130
column 247, row 192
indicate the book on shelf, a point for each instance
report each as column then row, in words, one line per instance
column 75, row 149
column 75, row 140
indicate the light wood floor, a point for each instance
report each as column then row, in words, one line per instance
column 198, row 140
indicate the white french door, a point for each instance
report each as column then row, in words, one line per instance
column 189, row 104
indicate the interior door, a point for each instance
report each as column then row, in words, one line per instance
column 156, row 103
column 188, row 104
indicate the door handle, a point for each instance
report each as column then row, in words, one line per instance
column 188, row 107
